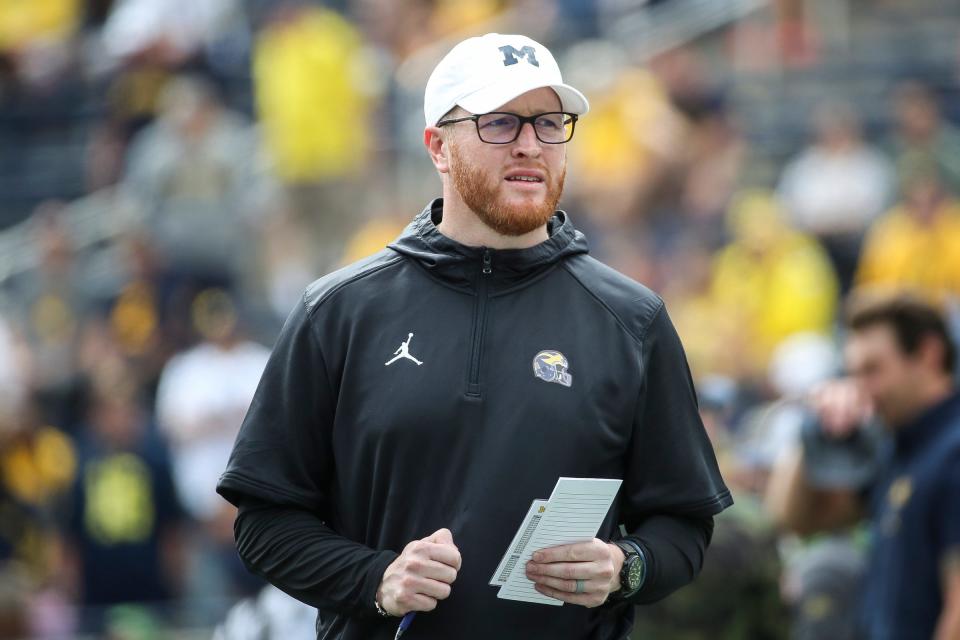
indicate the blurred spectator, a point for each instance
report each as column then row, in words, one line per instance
column 121, row 535
column 736, row 595
column 836, row 187
column 315, row 82
column 167, row 31
column 901, row 361
column 920, row 128
column 820, row 579
column 35, row 34
column 195, row 168
column 716, row 152
column 768, row 283
column 917, row 244
column 132, row 101
column 689, row 292
column 632, row 139
column 397, row 28
column 137, row 313
column 53, row 302
column 14, row 594
column 23, row 22
column 773, row 421
column 14, row 357
column 145, row 315
column 36, row 466
column 313, row 78
column 203, row 396
column 822, row 582
column 800, row 363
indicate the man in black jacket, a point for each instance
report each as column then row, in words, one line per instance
column 417, row 401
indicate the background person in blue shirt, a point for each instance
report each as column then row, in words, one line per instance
column 900, row 362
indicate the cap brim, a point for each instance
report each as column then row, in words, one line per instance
column 492, row 98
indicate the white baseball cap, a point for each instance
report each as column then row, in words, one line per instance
column 483, row 73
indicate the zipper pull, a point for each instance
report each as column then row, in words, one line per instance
column 487, row 262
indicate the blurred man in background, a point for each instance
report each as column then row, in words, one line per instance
column 901, row 362
column 837, row 186
column 921, row 128
column 202, row 396
column 122, row 531
column 196, row 167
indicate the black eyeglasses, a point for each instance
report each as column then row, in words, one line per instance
column 501, row 127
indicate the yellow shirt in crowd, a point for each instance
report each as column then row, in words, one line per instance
column 769, row 283
column 902, row 252
column 309, row 74
column 25, row 21
column 787, row 289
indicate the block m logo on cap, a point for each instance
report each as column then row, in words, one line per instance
column 512, row 55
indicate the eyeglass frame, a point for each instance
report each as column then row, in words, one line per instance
column 523, row 120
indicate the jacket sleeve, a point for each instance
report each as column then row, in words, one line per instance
column 674, row 548
column 280, row 473
column 302, row 556
column 672, row 488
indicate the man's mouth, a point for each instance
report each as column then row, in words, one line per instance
column 524, row 179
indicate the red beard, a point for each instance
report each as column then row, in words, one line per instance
column 483, row 198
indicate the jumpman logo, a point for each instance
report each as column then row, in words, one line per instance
column 403, row 352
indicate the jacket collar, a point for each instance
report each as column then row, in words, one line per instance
column 460, row 265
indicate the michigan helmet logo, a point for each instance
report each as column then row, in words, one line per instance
column 552, row 366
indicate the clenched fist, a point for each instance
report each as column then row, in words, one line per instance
column 421, row 576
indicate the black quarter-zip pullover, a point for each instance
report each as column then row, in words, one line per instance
column 410, row 391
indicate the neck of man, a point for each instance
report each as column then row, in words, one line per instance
column 460, row 223
column 934, row 391
column 938, row 389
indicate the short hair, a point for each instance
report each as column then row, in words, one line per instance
column 911, row 319
column 454, row 112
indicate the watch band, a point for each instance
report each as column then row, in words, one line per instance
column 630, row 547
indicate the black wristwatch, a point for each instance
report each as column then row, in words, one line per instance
column 634, row 570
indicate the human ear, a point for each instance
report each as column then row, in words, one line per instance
column 437, row 148
column 931, row 351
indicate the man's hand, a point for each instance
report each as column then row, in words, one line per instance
column 597, row 564
column 421, row 575
column 841, row 406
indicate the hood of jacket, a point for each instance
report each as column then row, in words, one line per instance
column 461, row 266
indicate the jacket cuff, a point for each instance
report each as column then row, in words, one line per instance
column 372, row 580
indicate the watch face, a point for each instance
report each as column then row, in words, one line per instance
column 635, row 573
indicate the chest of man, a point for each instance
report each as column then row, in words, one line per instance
column 470, row 405
column 908, row 523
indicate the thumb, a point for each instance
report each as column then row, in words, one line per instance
column 441, row 536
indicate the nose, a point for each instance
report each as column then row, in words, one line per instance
column 527, row 144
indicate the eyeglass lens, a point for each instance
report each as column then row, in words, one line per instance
column 500, row 128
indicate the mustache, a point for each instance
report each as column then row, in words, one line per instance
column 528, row 167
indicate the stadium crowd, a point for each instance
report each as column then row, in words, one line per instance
column 173, row 173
